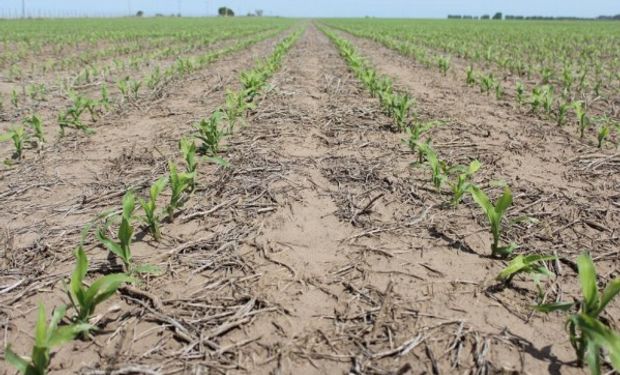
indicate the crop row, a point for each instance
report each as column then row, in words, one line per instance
column 588, row 333
column 547, row 50
column 74, row 116
column 181, row 184
column 84, row 79
column 61, row 60
column 84, row 33
column 582, row 92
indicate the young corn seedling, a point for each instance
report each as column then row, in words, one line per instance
column 582, row 118
column 605, row 127
column 602, row 134
column 37, row 127
column 495, row 214
column 499, row 91
column 252, row 82
column 587, row 333
column 86, row 299
column 70, row 118
column 437, row 166
column 188, row 149
column 236, row 106
column 547, row 75
column 487, row 82
column 134, row 88
column 529, row 264
column 520, row 93
column 47, row 337
column 15, row 99
column 154, row 79
column 19, row 136
column 105, row 98
column 369, row 78
column 401, row 105
column 36, row 92
column 180, row 183
column 123, row 87
column 463, row 180
column 444, row 64
column 562, row 112
column 81, row 104
column 209, row 133
column 471, row 78
column 536, row 99
column 416, row 131
column 184, row 66
column 151, row 217
column 121, row 248
column 547, row 99
column 384, row 85
column 567, row 78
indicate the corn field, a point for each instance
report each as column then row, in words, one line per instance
column 272, row 195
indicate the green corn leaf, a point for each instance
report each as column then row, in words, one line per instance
column 104, row 287
column 551, row 307
column 20, row 364
column 146, row 205
column 81, row 267
column 129, row 204
column 483, row 201
column 66, row 334
column 593, row 357
column 40, row 361
column 523, row 263
column 218, row 161
column 57, row 316
column 125, row 234
column 114, row 248
column 612, row 290
column 587, row 278
column 41, row 328
column 503, row 202
column 158, row 187
column 147, row 269
column 504, row 251
column 5, row 137
column 601, row 335
column 474, row 166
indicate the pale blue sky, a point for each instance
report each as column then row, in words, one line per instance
column 319, row 8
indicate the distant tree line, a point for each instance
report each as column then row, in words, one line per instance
column 499, row 16
column 225, row 12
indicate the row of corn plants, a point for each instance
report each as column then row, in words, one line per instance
column 538, row 52
column 73, row 116
column 587, row 332
column 116, row 230
column 555, row 97
column 92, row 74
column 556, row 108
